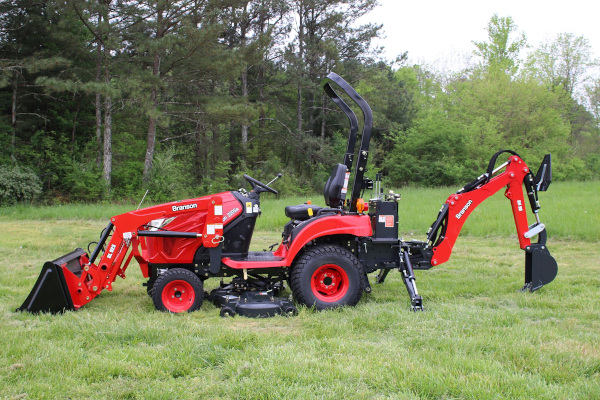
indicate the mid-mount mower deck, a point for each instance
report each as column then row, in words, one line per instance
column 325, row 254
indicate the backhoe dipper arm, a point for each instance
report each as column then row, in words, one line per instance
column 460, row 205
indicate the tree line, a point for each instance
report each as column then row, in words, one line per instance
column 105, row 99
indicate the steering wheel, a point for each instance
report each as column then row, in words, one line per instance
column 253, row 182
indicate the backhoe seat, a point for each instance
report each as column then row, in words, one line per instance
column 336, row 187
column 334, row 192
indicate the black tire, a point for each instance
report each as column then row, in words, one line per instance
column 327, row 276
column 177, row 290
column 150, row 286
column 226, row 312
column 290, row 311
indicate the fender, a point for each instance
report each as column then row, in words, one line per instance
column 354, row 225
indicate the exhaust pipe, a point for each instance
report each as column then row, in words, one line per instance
column 51, row 291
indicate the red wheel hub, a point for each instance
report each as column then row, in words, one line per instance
column 329, row 283
column 178, row 296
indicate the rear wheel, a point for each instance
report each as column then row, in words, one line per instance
column 177, row 290
column 327, row 276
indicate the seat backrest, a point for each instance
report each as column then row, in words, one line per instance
column 337, row 186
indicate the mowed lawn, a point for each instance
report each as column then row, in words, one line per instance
column 479, row 337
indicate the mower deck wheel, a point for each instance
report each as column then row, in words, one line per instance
column 177, row 290
column 227, row 311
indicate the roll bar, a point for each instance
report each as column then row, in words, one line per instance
column 363, row 152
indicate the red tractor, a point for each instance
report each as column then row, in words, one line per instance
column 325, row 253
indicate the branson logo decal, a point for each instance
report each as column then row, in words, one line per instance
column 464, row 209
column 186, row 207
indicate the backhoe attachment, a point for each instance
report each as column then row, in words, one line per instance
column 540, row 267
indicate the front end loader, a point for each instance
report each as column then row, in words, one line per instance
column 325, row 254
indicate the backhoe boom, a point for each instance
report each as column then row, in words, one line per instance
column 541, row 268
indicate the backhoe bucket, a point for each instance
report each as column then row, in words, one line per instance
column 540, row 267
column 51, row 293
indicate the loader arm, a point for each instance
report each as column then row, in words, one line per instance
column 76, row 278
column 540, row 267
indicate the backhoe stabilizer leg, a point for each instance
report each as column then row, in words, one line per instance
column 540, row 267
column 408, row 277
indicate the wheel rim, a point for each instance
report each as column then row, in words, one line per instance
column 178, row 296
column 329, row 283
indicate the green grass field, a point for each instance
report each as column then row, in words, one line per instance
column 478, row 338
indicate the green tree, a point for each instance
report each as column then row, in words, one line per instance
column 563, row 62
column 593, row 98
column 326, row 39
column 501, row 50
column 171, row 36
column 563, row 66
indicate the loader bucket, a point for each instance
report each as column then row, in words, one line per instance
column 51, row 293
column 540, row 267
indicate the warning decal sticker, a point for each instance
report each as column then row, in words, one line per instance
column 388, row 220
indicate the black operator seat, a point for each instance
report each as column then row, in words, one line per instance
column 335, row 193
column 336, row 187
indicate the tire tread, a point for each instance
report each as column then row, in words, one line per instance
column 177, row 273
column 298, row 274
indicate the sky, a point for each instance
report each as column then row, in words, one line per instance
column 434, row 29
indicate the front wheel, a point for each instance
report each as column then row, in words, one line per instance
column 177, row 290
column 327, row 276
